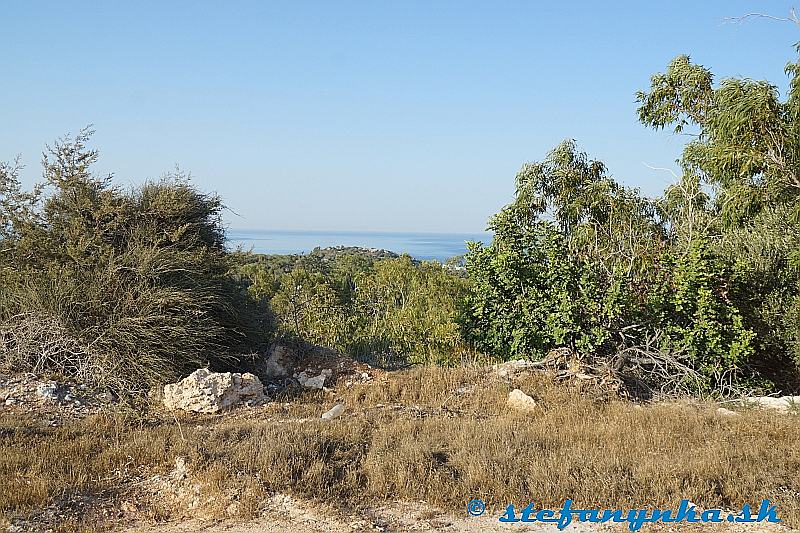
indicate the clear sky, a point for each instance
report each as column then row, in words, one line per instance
column 390, row 116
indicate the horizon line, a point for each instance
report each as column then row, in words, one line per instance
column 367, row 232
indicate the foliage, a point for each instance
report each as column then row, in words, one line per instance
column 765, row 283
column 690, row 305
column 747, row 145
column 119, row 288
column 582, row 262
column 566, row 262
column 386, row 311
column 528, row 297
column 601, row 220
column 746, row 150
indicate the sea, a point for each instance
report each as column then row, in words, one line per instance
column 423, row 246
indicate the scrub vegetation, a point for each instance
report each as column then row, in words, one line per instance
column 695, row 293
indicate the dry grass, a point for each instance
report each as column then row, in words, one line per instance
column 435, row 434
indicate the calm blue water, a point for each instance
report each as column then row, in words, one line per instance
column 427, row 246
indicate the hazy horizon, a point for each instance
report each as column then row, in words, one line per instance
column 420, row 245
column 411, row 117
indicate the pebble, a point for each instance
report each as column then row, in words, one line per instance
column 335, row 411
column 721, row 411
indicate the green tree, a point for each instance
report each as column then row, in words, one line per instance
column 568, row 261
column 746, row 142
column 746, row 150
column 580, row 261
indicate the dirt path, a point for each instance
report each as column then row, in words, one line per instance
column 285, row 514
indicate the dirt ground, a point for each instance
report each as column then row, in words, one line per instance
column 289, row 515
column 406, row 454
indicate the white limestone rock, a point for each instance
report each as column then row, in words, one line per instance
column 204, row 391
column 335, row 411
column 519, row 401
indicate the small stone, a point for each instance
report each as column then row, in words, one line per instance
column 520, row 401
column 48, row 391
column 181, row 471
column 105, row 397
column 721, row 411
column 334, row 412
column 314, row 382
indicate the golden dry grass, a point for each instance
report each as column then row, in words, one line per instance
column 443, row 435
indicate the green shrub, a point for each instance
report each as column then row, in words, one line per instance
column 409, row 311
column 528, row 295
column 689, row 303
column 568, row 262
column 120, row 288
column 387, row 311
column 578, row 261
column 765, row 284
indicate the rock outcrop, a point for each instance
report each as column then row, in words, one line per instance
column 204, row 391
column 781, row 404
column 279, row 361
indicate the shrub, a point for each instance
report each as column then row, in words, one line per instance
column 691, row 306
column 388, row 311
column 120, row 288
column 409, row 311
column 578, row 261
column 529, row 296
column 765, row 286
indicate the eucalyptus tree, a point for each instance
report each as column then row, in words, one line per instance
column 744, row 148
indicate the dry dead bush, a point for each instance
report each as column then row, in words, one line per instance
column 435, row 434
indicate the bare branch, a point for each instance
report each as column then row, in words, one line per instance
column 740, row 20
column 662, row 169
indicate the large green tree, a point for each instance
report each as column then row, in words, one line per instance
column 742, row 166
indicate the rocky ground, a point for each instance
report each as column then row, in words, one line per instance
column 60, row 401
column 152, row 498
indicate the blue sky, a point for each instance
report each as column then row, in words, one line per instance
column 389, row 116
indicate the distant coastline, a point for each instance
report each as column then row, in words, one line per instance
column 424, row 246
